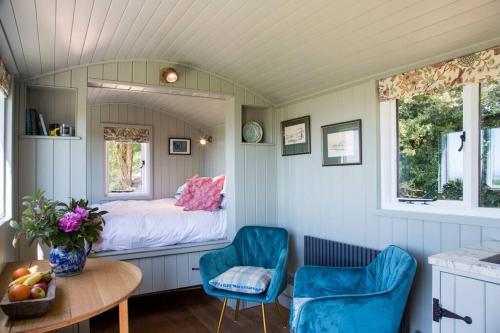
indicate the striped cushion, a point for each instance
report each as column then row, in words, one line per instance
column 244, row 279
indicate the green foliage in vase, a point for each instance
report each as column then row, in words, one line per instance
column 54, row 223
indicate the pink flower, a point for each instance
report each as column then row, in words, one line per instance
column 70, row 222
column 82, row 212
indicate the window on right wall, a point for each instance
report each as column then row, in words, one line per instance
column 440, row 137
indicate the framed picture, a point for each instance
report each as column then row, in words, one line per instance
column 296, row 136
column 179, row 146
column 342, row 143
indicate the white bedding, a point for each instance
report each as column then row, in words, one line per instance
column 135, row 224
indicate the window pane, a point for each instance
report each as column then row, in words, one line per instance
column 490, row 145
column 430, row 163
column 125, row 165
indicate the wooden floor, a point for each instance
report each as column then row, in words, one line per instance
column 187, row 311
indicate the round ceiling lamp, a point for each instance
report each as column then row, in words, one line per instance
column 169, row 75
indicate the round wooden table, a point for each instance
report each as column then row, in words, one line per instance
column 102, row 285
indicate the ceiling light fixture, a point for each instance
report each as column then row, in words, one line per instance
column 169, row 75
column 205, row 139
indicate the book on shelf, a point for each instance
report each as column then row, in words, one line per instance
column 35, row 123
column 43, row 128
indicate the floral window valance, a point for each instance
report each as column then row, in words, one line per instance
column 127, row 134
column 4, row 79
column 472, row 68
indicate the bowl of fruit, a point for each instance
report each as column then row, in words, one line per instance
column 30, row 294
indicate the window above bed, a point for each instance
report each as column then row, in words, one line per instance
column 127, row 161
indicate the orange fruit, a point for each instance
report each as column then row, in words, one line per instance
column 19, row 292
column 20, row 272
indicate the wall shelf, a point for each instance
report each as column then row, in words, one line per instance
column 43, row 137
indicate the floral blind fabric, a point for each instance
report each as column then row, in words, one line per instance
column 4, row 79
column 472, row 68
column 126, row 134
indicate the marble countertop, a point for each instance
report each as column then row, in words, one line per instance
column 469, row 259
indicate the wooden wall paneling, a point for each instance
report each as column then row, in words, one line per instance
column 45, row 166
column 400, row 233
column 27, row 185
column 47, row 80
column 415, row 247
column 270, row 187
column 450, row 236
column 469, row 235
column 203, row 81
column 488, row 233
column 182, row 270
column 385, row 232
column 152, row 73
column 62, row 171
column 214, row 84
column 125, row 71
column 158, row 155
column 95, row 71
column 261, row 158
column 431, row 246
column 63, row 79
column 110, row 71
column 78, row 147
column 139, row 72
column 191, row 78
column 122, row 114
column 136, row 263
column 250, row 184
column 113, row 113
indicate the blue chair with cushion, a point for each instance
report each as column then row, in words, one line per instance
column 361, row 299
column 254, row 247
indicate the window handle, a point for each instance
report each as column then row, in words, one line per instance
column 462, row 138
column 142, row 164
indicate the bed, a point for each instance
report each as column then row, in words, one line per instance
column 163, row 240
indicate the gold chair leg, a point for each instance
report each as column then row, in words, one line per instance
column 264, row 318
column 222, row 315
column 237, row 310
column 278, row 305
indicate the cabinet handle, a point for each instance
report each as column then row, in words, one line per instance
column 439, row 312
column 195, row 268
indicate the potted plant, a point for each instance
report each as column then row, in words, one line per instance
column 66, row 228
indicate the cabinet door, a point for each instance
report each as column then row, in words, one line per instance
column 469, row 297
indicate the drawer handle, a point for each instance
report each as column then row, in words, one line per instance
column 195, row 269
column 439, row 312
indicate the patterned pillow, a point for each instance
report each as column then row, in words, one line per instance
column 191, row 187
column 207, row 196
column 244, row 279
column 181, row 188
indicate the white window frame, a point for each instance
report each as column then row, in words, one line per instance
column 6, row 155
column 469, row 206
column 148, row 172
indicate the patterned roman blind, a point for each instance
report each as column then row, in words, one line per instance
column 127, row 134
column 472, row 68
column 4, row 79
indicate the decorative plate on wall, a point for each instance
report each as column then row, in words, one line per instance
column 252, row 132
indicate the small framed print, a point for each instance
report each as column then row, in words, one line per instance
column 296, row 136
column 179, row 146
column 341, row 143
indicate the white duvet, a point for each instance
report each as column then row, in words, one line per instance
column 134, row 224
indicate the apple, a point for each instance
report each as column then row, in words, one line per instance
column 37, row 292
column 42, row 284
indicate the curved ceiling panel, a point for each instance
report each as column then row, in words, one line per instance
column 281, row 49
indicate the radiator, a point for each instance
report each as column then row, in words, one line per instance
column 323, row 252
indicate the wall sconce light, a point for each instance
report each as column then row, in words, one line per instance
column 168, row 75
column 205, row 139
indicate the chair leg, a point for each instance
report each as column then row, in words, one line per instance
column 237, row 310
column 222, row 315
column 264, row 318
column 278, row 305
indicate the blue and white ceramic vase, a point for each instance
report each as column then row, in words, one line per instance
column 67, row 263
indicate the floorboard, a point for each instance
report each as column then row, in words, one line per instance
column 185, row 312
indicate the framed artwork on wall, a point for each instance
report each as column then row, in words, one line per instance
column 179, row 146
column 296, row 136
column 341, row 143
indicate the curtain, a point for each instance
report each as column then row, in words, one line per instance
column 4, row 79
column 126, row 134
column 471, row 68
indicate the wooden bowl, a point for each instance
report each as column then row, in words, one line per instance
column 31, row 307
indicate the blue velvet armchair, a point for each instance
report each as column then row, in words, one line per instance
column 257, row 246
column 361, row 299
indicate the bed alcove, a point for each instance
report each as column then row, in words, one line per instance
column 249, row 168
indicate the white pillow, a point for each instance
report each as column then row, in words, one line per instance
column 179, row 190
column 224, row 186
column 244, row 279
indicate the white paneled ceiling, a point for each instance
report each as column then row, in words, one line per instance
column 281, row 49
column 200, row 112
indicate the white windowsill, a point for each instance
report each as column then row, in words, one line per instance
column 457, row 215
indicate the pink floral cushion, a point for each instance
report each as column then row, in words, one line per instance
column 206, row 197
column 192, row 185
